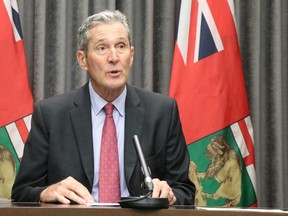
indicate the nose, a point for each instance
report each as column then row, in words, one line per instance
column 113, row 56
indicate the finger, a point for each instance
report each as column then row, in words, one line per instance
column 171, row 197
column 161, row 189
column 72, row 196
column 173, row 200
column 65, row 191
column 62, row 199
column 156, row 188
column 76, row 191
column 164, row 189
column 53, row 194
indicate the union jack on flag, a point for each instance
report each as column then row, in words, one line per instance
column 208, row 83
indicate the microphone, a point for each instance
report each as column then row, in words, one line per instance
column 144, row 202
column 146, row 170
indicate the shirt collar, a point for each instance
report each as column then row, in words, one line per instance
column 98, row 103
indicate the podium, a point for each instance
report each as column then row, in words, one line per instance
column 36, row 209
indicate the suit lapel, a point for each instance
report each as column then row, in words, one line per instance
column 81, row 121
column 134, row 117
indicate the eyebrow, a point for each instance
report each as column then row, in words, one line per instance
column 121, row 39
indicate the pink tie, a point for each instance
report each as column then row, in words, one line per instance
column 109, row 178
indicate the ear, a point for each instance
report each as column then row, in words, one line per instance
column 131, row 56
column 81, row 58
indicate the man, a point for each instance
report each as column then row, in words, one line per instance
column 61, row 161
column 7, row 172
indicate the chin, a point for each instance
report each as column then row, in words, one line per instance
column 120, row 84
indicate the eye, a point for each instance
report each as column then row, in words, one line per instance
column 101, row 49
column 121, row 47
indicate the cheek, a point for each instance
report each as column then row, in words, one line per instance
column 95, row 61
column 95, row 69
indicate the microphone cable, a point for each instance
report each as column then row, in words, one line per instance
column 134, row 199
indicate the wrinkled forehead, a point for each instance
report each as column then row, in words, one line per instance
column 104, row 31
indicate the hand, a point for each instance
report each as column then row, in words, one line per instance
column 66, row 191
column 163, row 190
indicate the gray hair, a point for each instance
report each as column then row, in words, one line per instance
column 103, row 17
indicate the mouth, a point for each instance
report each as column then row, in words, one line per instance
column 114, row 73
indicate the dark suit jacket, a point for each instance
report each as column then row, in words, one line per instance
column 60, row 144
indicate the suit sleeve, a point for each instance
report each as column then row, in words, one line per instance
column 31, row 179
column 177, row 162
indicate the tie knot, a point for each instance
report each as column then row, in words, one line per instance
column 109, row 108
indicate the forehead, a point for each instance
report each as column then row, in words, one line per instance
column 105, row 31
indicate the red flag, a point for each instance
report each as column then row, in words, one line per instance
column 207, row 82
column 16, row 102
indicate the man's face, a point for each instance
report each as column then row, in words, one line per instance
column 7, row 177
column 109, row 58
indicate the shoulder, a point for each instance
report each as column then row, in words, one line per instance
column 154, row 104
column 66, row 100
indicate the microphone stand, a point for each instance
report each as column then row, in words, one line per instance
column 144, row 201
